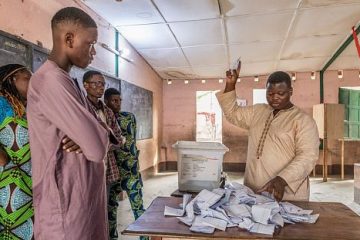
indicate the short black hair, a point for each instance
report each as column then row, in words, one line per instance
column 89, row 74
column 279, row 77
column 73, row 15
column 109, row 92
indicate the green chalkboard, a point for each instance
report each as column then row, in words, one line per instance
column 139, row 101
column 14, row 50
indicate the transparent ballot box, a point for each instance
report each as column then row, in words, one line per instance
column 199, row 165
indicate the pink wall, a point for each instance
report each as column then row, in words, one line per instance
column 174, row 105
column 141, row 74
column 30, row 20
column 180, row 110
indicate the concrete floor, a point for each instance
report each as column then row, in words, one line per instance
column 163, row 184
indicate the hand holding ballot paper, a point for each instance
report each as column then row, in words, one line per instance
column 276, row 187
column 232, row 76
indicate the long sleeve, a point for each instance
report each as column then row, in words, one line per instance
column 306, row 154
column 113, row 125
column 239, row 116
column 61, row 104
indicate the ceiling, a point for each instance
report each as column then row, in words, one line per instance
column 198, row 39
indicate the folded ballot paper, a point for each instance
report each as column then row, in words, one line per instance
column 237, row 206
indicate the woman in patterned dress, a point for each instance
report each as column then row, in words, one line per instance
column 16, row 211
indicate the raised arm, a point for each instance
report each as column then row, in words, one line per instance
column 239, row 116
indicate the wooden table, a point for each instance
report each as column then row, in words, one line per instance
column 336, row 222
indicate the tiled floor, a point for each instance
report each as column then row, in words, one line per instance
column 163, row 184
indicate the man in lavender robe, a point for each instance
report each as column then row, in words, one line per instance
column 68, row 187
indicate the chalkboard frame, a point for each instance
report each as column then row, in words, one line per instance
column 41, row 50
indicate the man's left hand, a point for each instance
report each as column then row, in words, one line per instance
column 276, row 187
column 70, row 146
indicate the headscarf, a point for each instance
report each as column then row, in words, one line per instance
column 8, row 89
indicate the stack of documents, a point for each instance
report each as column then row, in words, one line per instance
column 237, row 206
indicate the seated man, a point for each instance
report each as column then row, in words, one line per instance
column 127, row 157
column 283, row 144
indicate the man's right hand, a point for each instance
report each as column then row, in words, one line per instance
column 231, row 78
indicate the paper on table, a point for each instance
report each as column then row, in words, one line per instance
column 246, row 223
column 236, row 220
column 223, row 200
column 261, row 198
column 268, row 195
column 219, row 191
column 301, row 218
column 199, row 226
column 293, row 213
column 215, row 222
column 224, row 208
column 186, row 220
column 186, row 200
column 243, row 197
column 230, row 225
column 206, row 199
column 263, row 229
column 170, row 211
column 291, row 208
column 215, row 214
column 274, row 206
column 238, row 186
column 261, row 214
column 238, row 210
column 189, row 209
column 313, row 218
column 277, row 220
column 220, row 209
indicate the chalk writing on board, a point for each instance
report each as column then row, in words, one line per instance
column 13, row 50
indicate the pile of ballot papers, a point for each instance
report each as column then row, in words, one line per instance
column 237, row 206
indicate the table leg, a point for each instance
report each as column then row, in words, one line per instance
column 314, row 171
column 342, row 158
column 325, row 160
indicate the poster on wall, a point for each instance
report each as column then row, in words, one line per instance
column 208, row 117
column 241, row 102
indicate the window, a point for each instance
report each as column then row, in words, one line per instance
column 208, row 117
column 259, row 96
column 350, row 97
